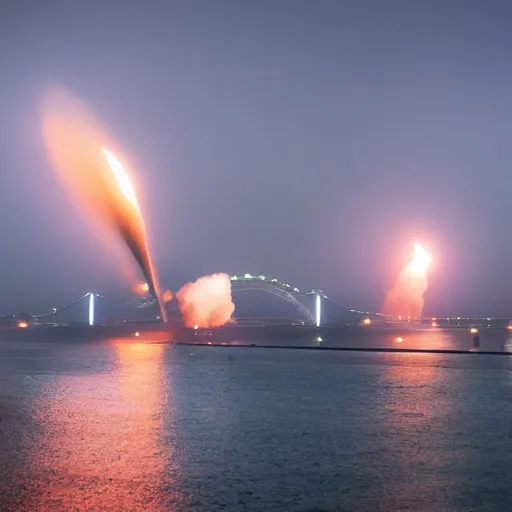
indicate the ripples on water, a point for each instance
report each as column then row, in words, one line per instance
column 132, row 426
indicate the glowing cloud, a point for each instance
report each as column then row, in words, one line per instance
column 207, row 302
column 421, row 260
column 405, row 299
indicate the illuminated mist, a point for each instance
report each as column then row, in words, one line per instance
column 405, row 299
column 207, row 302
column 86, row 159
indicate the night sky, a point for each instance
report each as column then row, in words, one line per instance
column 310, row 140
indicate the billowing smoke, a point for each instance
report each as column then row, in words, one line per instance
column 207, row 302
column 406, row 297
column 82, row 153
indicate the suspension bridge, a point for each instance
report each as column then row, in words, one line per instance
column 310, row 307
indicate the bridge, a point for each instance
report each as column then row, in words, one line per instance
column 312, row 315
column 312, row 308
column 249, row 282
column 309, row 305
column 90, row 298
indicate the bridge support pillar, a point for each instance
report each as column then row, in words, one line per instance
column 91, row 308
column 318, row 310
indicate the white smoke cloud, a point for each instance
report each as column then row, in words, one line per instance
column 206, row 302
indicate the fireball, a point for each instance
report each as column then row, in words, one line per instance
column 421, row 260
column 406, row 296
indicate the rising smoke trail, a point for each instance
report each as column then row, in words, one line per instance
column 206, row 302
column 406, row 297
column 82, row 154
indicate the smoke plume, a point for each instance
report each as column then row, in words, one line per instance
column 406, row 297
column 82, row 154
column 207, row 302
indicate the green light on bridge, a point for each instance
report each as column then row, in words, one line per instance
column 261, row 277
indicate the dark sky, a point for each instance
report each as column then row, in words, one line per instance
column 313, row 140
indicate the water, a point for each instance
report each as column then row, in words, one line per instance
column 399, row 336
column 123, row 426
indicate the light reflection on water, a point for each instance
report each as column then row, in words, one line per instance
column 100, row 445
column 403, row 337
column 433, row 339
column 410, row 338
column 508, row 342
column 413, row 408
column 151, row 427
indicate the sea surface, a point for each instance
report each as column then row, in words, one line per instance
column 139, row 425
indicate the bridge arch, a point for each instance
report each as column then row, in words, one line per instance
column 257, row 282
column 249, row 282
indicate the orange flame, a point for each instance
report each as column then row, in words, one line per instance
column 123, row 180
column 142, row 288
column 421, row 260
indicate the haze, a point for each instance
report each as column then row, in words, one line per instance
column 314, row 141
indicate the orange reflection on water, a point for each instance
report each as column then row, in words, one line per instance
column 102, row 444
column 415, row 406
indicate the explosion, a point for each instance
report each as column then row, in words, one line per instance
column 83, row 156
column 405, row 298
column 421, row 260
column 207, row 302
column 141, row 288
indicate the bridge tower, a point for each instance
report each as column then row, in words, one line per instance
column 318, row 309
column 91, row 308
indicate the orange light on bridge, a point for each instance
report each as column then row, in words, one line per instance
column 22, row 325
column 141, row 288
column 473, row 330
column 435, row 324
column 399, row 339
column 508, row 327
column 367, row 321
